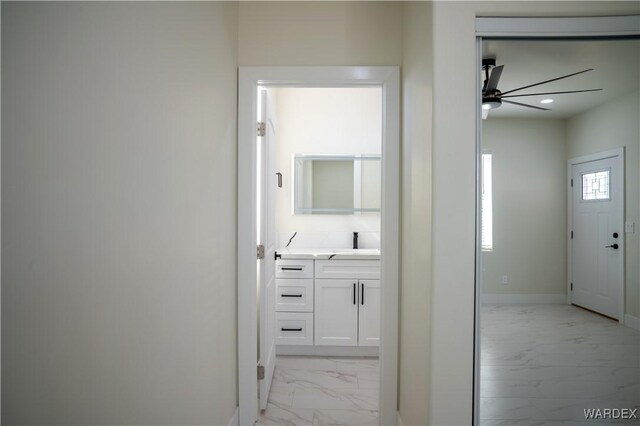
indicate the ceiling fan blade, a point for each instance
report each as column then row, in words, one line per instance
column 492, row 84
column 526, row 105
column 547, row 81
column 552, row 93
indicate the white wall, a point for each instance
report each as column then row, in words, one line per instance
column 320, row 33
column 118, row 213
column 529, row 206
column 609, row 126
column 416, row 263
column 335, row 121
column 454, row 117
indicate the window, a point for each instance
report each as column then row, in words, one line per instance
column 487, row 204
column 595, row 185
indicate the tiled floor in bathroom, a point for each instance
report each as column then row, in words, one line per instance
column 323, row 391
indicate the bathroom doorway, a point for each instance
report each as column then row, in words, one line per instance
column 318, row 195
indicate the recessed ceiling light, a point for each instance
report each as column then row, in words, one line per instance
column 546, row 101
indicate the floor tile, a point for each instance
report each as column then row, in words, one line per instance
column 323, row 391
column 544, row 364
column 345, row 418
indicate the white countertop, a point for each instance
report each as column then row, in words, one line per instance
column 327, row 253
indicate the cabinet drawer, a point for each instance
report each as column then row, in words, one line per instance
column 348, row 269
column 294, row 295
column 293, row 268
column 294, row 328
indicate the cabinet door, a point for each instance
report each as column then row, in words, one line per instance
column 369, row 321
column 336, row 312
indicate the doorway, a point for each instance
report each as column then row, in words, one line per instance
column 596, row 233
column 251, row 81
column 529, row 365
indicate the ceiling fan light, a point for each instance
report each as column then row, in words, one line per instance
column 546, row 101
column 488, row 104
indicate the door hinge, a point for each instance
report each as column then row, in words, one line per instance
column 572, row 235
column 262, row 129
column 260, row 372
column 260, row 251
column 571, row 286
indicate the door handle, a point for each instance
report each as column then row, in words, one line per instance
column 361, row 293
column 291, row 329
column 354, row 294
column 613, row 246
column 284, row 268
column 290, row 295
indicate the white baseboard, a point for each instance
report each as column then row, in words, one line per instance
column 235, row 420
column 327, row 350
column 399, row 420
column 492, row 298
column 632, row 322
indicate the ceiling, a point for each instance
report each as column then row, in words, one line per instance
column 616, row 65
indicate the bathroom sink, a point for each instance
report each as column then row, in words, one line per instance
column 328, row 253
column 356, row 251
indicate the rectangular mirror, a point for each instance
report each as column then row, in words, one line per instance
column 331, row 184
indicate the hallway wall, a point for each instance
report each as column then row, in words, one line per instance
column 118, row 213
column 320, row 33
column 416, row 266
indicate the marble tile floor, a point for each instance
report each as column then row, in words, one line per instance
column 323, row 391
column 545, row 364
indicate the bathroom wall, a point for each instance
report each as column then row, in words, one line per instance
column 529, row 209
column 609, row 126
column 341, row 121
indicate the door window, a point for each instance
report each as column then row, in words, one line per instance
column 595, row 185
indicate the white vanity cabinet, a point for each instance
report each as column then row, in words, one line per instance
column 294, row 302
column 336, row 313
column 328, row 303
column 347, row 303
column 369, row 313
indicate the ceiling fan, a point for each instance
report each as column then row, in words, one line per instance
column 493, row 98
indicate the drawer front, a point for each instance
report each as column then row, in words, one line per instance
column 294, row 328
column 294, row 295
column 293, row 268
column 348, row 269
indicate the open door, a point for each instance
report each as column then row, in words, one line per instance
column 267, row 238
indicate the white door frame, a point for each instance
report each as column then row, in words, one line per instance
column 249, row 78
column 592, row 27
column 617, row 153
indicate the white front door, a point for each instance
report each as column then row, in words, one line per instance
column 597, row 244
column 267, row 237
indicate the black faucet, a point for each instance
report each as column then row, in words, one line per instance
column 355, row 240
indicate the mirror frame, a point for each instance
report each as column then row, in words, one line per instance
column 295, row 187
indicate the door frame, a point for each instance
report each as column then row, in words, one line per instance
column 249, row 78
column 617, row 153
column 532, row 28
